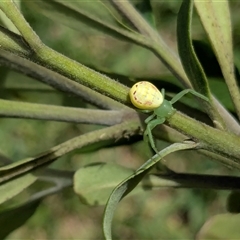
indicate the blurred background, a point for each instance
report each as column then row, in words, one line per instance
column 157, row 214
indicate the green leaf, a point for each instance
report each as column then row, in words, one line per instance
column 14, row 218
column 218, row 29
column 94, row 183
column 83, row 15
column 216, row 20
column 190, row 62
column 131, row 182
column 118, row 193
column 164, row 13
column 222, row 226
column 13, row 187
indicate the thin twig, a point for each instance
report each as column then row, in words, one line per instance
column 59, row 113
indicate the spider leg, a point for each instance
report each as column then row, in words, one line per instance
column 163, row 92
column 186, row 91
column 149, row 119
column 147, row 136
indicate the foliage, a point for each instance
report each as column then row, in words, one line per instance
column 75, row 132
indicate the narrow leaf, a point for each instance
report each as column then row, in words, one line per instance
column 216, row 20
column 11, row 188
column 90, row 139
column 83, row 15
column 190, row 62
column 131, row 182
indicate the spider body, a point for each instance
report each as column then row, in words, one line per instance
column 145, row 96
column 165, row 109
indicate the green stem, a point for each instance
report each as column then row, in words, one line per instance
column 220, row 159
column 226, row 144
column 59, row 113
column 82, row 74
column 54, row 60
column 56, row 80
column 211, row 139
column 13, row 13
column 110, row 88
column 62, row 179
column 183, row 180
column 99, row 137
column 13, row 42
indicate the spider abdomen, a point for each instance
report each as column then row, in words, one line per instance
column 145, row 95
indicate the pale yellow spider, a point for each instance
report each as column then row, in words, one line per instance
column 145, row 96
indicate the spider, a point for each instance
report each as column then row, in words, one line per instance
column 145, row 96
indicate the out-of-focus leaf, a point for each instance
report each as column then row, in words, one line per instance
column 95, row 183
column 136, row 62
column 13, row 187
column 114, row 57
column 216, row 19
column 24, row 84
column 145, row 8
column 164, row 13
column 130, row 156
column 14, row 218
column 222, row 226
column 98, row 15
column 218, row 29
